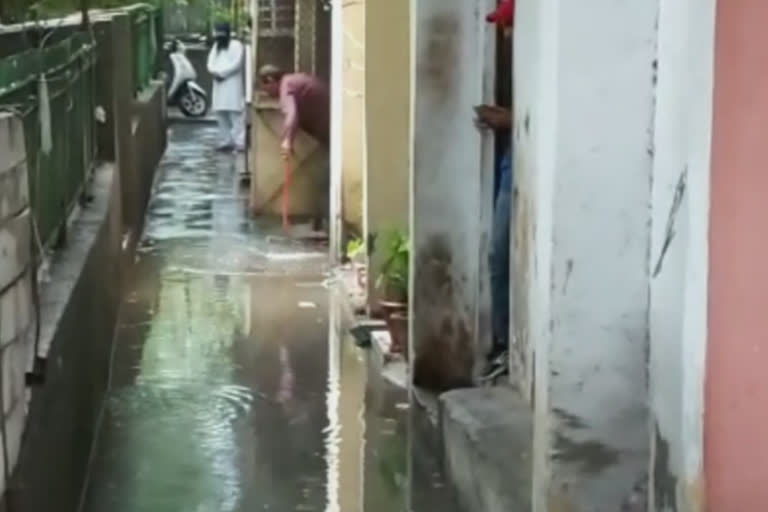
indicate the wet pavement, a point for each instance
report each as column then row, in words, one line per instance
column 231, row 390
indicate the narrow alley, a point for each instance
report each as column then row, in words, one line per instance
column 383, row 256
column 223, row 396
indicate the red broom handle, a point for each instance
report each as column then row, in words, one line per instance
column 286, row 185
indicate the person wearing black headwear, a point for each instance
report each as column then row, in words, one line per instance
column 225, row 63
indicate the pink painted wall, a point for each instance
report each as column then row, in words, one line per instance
column 736, row 414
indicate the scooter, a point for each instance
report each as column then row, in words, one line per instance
column 183, row 90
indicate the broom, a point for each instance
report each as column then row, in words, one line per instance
column 287, row 171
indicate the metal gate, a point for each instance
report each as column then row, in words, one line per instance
column 286, row 35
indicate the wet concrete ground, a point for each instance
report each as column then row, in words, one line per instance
column 230, row 390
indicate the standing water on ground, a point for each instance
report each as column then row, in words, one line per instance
column 231, row 390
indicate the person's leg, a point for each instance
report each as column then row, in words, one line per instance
column 225, row 130
column 238, row 129
column 499, row 263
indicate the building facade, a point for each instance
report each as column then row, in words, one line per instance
column 637, row 284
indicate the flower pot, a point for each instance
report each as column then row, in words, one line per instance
column 387, row 307
column 397, row 323
column 395, row 293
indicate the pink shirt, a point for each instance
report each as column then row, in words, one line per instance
column 305, row 102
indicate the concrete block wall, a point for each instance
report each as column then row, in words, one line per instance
column 78, row 315
column 16, row 307
column 79, row 305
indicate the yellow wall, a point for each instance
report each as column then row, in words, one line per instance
column 387, row 97
column 353, row 112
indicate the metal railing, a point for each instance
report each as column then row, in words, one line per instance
column 61, row 147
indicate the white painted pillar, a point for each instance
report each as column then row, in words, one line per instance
column 337, row 128
column 583, row 127
column 452, row 70
column 679, row 252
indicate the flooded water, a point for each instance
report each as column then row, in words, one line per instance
column 231, row 390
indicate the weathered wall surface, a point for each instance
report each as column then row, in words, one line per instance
column 451, row 190
column 16, row 310
column 353, row 108
column 149, row 129
column 78, row 314
column 139, row 132
column 583, row 215
column 679, row 252
column 387, row 118
column 736, row 454
column 78, row 306
column 534, row 124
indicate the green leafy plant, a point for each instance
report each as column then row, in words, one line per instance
column 355, row 248
column 393, row 275
column 219, row 13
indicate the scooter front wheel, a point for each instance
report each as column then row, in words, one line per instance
column 192, row 103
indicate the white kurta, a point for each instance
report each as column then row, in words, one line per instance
column 228, row 94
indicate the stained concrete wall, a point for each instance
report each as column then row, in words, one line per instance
column 534, row 77
column 451, row 188
column 148, row 138
column 679, row 252
column 736, row 454
column 387, row 122
column 583, row 163
column 140, row 131
column 353, row 108
column 16, row 318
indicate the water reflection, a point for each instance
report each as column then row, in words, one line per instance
column 231, row 387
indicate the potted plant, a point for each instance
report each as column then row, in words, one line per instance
column 393, row 284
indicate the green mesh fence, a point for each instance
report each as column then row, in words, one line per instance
column 56, row 178
column 147, row 36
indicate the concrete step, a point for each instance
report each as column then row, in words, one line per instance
column 488, row 438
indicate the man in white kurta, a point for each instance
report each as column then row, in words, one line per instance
column 225, row 63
